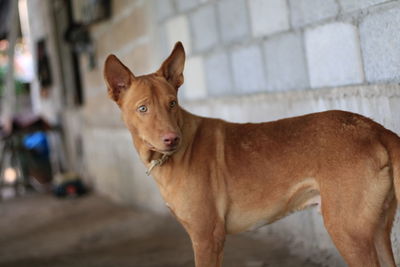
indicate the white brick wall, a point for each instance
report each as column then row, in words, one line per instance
column 304, row 43
column 333, row 53
column 248, row 70
column 351, row 5
column 234, row 21
column 268, row 17
column 164, row 9
column 218, row 74
column 380, row 35
column 285, row 63
column 178, row 30
column 305, row 12
column 195, row 86
column 204, row 28
column 185, row 5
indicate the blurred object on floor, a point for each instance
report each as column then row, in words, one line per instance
column 38, row 161
column 69, row 185
column 31, row 150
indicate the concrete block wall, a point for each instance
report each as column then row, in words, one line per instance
column 380, row 39
column 326, row 43
column 333, row 54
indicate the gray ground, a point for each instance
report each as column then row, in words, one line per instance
column 40, row 230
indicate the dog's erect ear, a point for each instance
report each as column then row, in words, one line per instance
column 172, row 67
column 117, row 76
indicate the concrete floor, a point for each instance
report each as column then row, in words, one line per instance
column 40, row 230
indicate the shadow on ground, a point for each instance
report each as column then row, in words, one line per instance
column 40, row 230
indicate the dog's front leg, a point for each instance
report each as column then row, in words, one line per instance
column 208, row 244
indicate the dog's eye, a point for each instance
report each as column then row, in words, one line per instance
column 142, row 109
column 172, row 104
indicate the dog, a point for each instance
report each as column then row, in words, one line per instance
column 221, row 178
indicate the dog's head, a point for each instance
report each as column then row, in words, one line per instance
column 149, row 103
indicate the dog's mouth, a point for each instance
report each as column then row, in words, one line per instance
column 168, row 150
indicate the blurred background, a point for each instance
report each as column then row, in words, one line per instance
column 247, row 60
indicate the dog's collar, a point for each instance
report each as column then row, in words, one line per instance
column 158, row 162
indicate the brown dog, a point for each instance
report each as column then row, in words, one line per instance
column 220, row 178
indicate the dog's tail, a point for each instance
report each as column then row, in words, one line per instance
column 392, row 143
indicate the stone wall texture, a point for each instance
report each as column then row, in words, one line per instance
column 247, row 60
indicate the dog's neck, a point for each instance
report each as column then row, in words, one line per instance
column 153, row 160
column 158, row 162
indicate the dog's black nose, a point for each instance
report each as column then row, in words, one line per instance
column 171, row 139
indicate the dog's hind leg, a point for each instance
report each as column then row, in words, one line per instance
column 353, row 214
column 383, row 243
column 355, row 243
